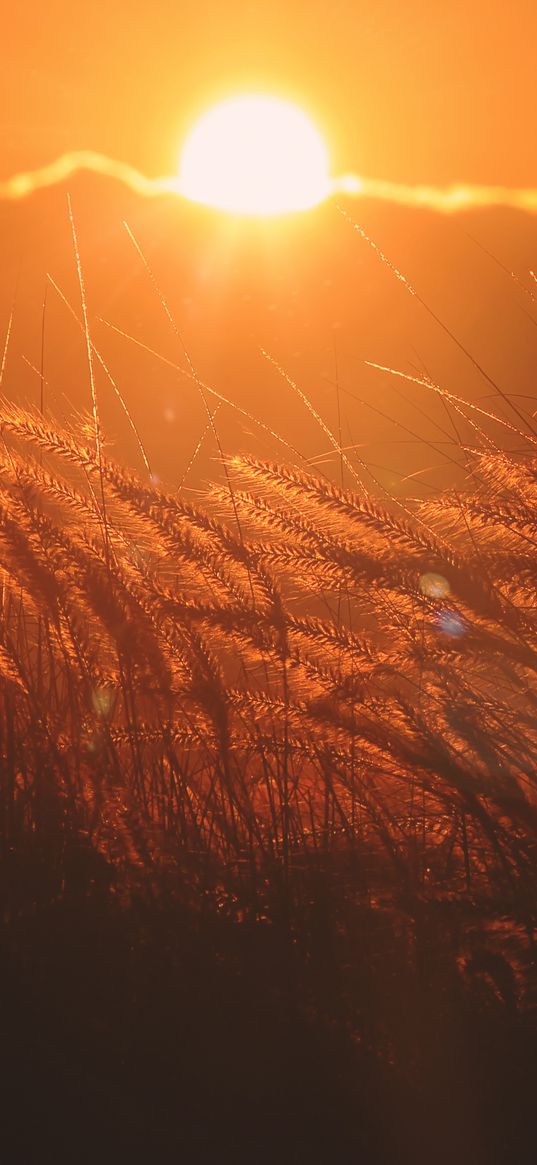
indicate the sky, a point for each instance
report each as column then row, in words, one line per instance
column 412, row 93
column 419, row 92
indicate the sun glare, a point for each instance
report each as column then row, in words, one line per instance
column 255, row 155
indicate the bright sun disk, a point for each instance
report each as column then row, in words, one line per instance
column 255, row 155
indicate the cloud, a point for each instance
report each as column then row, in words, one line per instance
column 445, row 200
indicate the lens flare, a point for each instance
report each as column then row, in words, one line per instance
column 435, row 586
column 450, row 623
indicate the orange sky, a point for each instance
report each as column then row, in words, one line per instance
column 419, row 92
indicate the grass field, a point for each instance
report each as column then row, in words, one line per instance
column 267, row 811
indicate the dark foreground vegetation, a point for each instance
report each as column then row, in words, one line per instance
column 268, row 815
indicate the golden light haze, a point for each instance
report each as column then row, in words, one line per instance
column 413, row 93
column 428, row 116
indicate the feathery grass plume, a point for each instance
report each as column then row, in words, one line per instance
column 322, row 496
column 216, row 688
column 10, row 669
column 190, row 534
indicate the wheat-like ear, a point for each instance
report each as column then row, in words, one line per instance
column 39, row 483
column 30, row 426
column 484, row 521
column 11, row 669
column 236, row 713
column 505, row 474
column 268, row 517
column 319, row 494
column 402, row 550
column 337, row 639
column 22, row 555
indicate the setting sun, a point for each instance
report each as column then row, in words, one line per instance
column 268, row 585
column 255, row 155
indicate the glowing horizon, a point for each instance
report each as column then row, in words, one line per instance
column 451, row 199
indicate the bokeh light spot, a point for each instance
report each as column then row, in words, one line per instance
column 435, row 586
column 450, row 623
column 102, row 700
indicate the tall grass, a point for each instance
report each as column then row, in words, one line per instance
column 267, row 796
column 335, row 679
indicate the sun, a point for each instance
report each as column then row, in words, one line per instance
column 255, row 155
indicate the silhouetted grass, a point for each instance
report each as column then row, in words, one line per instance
column 268, row 772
